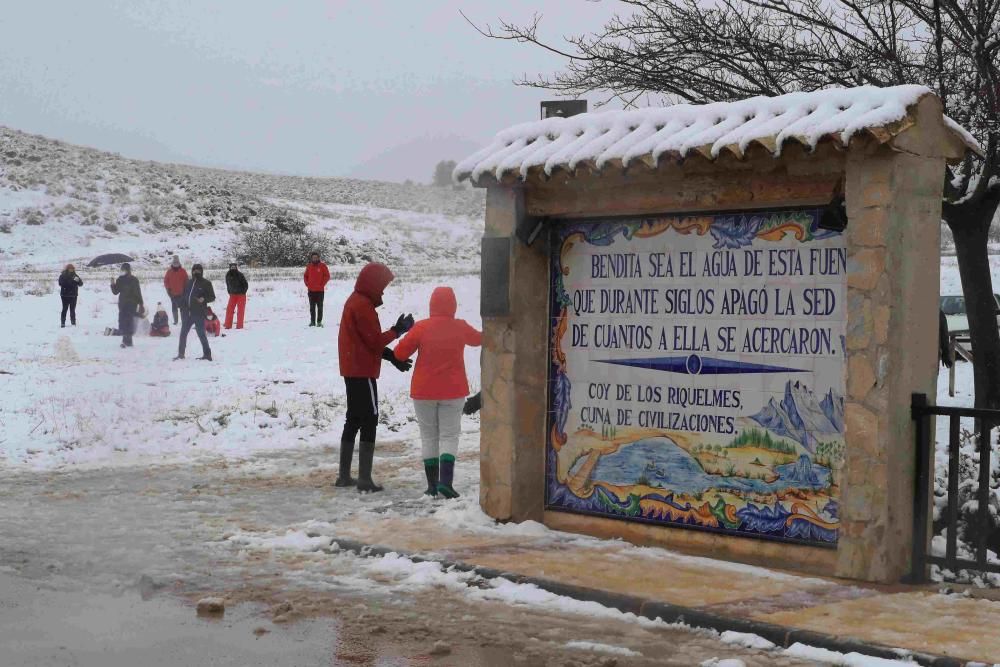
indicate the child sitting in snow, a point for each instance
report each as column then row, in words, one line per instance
column 161, row 324
column 212, row 326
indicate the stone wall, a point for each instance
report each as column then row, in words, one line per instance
column 893, row 201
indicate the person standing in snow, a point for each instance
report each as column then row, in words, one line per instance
column 197, row 294
column 316, row 277
column 237, row 286
column 129, row 302
column 174, row 281
column 439, row 386
column 69, row 289
column 361, row 344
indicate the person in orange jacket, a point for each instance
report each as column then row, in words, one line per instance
column 361, row 344
column 439, row 386
column 316, row 277
column 174, row 281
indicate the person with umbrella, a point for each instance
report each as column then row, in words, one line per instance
column 198, row 293
column 69, row 288
column 126, row 286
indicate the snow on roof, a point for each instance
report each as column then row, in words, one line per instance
column 597, row 139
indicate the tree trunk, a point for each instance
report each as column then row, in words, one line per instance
column 977, row 287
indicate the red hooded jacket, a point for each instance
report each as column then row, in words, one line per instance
column 175, row 280
column 316, row 277
column 361, row 339
column 440, row 341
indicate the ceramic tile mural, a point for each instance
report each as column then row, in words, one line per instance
column 697, row 372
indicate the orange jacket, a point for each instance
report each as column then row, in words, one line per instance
column 361, row 340
column 440, row 341
column 174, row 280
column 316, row 277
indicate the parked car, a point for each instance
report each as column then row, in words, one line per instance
column 953, row 307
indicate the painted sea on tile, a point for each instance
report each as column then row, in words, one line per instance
column 697, row 372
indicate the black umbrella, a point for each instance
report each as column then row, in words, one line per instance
column 111, row 258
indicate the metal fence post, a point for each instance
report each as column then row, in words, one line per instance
column 921, row 496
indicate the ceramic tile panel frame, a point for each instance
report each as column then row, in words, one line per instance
column 893, row 193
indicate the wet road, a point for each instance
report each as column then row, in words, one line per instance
column 102, row 567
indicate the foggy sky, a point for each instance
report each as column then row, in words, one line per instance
column 314, row 87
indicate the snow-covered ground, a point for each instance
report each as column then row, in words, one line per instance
column 72, row 396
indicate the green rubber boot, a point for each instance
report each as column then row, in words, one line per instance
column 447, row 476
column 431, row 470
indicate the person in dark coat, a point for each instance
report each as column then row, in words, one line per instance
column 126, row 286
column 237, row 286
column 198, row 293
column 943, row 343
column 160, row 327
column 69, row 289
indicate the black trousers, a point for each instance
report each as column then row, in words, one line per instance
column 126, row 322
column 316, row 307
column 198, row 322
column 69, row 303
column 362, row 409
column 175, row 305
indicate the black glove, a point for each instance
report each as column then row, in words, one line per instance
column 403, row 324
column 402, row 366
column 473, row 404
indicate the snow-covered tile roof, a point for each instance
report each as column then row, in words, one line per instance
column 674, row 132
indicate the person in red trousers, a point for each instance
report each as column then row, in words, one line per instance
column 362, row 347
column 316, row 277
column 237, row 286
column 439, row 386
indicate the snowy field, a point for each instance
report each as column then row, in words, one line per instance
column 72, row 396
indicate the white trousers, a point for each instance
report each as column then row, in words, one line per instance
column 440, row 425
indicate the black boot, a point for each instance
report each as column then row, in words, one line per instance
column 344, row 475
column 431, row 470
column 445, row 487
column 366, row 453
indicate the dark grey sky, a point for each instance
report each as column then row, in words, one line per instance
column 379, row 89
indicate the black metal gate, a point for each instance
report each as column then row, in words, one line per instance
column 975, row 524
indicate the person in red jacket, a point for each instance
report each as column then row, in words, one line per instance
column 316, row 277
column 212, row 325
column 362, row 347
column 439, row 386
column 174, row 281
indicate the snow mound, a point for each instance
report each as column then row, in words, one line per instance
column 822, row 655
column 746, row 640
column 603, row 648
column 835, row 114
column 296, row 540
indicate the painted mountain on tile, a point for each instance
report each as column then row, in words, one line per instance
column 801, row 417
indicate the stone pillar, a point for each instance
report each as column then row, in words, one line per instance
column 893, row 236
column 514, row 376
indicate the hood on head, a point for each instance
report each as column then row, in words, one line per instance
column 443, row 302
column 197, row 267
column 373, row 280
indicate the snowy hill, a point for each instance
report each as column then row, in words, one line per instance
column 60, row 203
